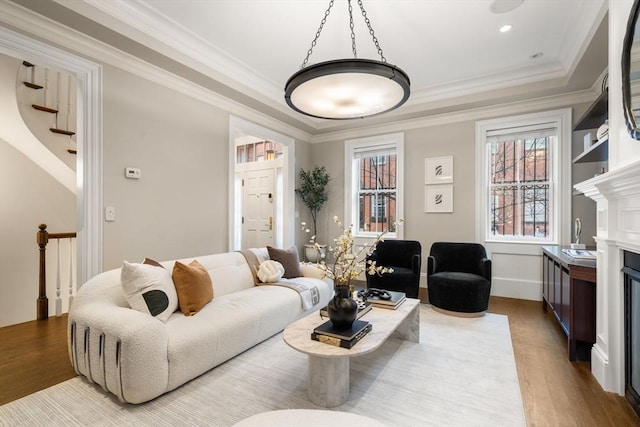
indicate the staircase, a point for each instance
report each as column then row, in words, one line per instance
column 47, row 103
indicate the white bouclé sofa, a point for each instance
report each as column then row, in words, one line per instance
column 138, row 357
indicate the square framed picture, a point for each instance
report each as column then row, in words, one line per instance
column 438, row 170
column 438, row 199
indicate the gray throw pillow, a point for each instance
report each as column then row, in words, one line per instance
column 289, row 260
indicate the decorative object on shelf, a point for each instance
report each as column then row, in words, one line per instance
column 603, row 131
column 438, row 199
column 578, row 231
column 314, row 194
column 588, row 140
column 349, row 261
column 347, row 88
column 438, row 170
column 629, row 76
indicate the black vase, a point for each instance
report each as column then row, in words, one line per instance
column 342, row 309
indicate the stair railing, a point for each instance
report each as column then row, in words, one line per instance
column 42, row 304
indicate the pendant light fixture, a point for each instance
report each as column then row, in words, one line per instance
column 347, row 88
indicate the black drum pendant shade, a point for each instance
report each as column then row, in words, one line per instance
column 347, row 88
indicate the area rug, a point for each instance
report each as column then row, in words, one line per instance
column 462, row 373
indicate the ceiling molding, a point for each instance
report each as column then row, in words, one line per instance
column 141, row 22
column 512, row 108
column 32, row 23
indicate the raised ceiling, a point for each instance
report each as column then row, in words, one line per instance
column 452, row 50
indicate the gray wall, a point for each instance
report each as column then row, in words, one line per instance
column 457, row 140
column 179, row 207
column 28, row 196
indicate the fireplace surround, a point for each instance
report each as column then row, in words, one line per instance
column 631, row 270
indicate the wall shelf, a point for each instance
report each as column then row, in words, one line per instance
column 597, row 113
column 598, row 152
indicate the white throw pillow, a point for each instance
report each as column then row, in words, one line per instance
column 270, row 271
column 149, row 289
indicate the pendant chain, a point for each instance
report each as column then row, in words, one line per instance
column 353, row 36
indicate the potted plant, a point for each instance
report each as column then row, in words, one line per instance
column 314, row 194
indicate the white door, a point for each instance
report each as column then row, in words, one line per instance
column 258, row 208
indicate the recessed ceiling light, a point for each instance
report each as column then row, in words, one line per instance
column 505, row 28
column 536, row 55
column 504, row 6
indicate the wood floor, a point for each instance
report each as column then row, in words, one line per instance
column 556, row 392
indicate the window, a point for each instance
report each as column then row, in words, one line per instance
column 374, row 190
column 520, row 183
column 520, row 178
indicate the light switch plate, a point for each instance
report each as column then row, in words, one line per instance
column 110, row 213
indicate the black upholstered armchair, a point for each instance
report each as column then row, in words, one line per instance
column 459, row 277
column 405, row 257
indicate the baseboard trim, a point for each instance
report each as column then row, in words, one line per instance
column 599, row 366
column 513, row 288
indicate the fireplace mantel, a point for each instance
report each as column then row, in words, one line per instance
column 617, row 197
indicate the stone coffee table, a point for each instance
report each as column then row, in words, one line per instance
column 328, row 383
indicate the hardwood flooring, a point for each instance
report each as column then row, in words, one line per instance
column 555, row 392
column 33, row 356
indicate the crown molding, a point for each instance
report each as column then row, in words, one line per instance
column 139, row 20
column 511, row 108
column 44, row 28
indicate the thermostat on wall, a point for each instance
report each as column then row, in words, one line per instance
column 132, row 173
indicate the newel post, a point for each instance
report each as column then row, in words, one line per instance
column 42, row 238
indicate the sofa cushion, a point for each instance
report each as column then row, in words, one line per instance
column 289, row 260
column 193, row 286
column 149, row 289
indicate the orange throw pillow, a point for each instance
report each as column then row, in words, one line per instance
column 193, row 286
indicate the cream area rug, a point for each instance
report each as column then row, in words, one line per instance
column 462, row 373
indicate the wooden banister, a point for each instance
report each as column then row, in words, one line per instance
column 42, row 238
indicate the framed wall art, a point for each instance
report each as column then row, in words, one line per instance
column 438, row 170
column 438, row 199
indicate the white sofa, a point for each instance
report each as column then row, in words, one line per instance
column 138, row 357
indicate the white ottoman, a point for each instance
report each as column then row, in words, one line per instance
column 308, row 418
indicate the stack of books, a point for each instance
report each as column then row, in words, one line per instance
column 580, row 253
column 363, row 308
column 325, row 333
column 397, row 298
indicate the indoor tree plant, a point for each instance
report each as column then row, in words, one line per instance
column 314, row 194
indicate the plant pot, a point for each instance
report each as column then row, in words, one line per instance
column 313, row 254
column 342, row 309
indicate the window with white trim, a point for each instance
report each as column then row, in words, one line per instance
column 520, row 179
column 373, row 181
column 520, row 183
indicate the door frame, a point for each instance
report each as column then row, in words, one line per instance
column 89, row 139
column 238, row 126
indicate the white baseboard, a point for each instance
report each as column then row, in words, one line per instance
column 513, row 288
column 599, row 365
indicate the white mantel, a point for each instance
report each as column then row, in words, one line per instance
column 617, row 196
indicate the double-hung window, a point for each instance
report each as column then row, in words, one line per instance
column 521, row 184
column 373, row 181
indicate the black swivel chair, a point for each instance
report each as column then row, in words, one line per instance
column 405, row 257
column 459, row 278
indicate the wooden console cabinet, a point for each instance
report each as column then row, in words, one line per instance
column 569, row 289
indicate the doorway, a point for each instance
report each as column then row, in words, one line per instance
column 262, row 196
